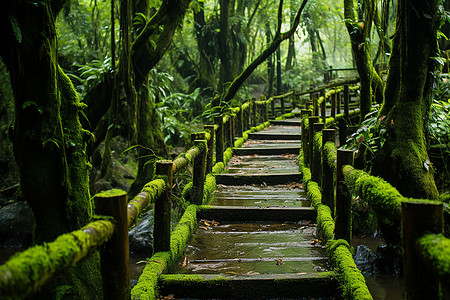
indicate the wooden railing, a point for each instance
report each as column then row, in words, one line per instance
column 331, row 182
column 26, row 272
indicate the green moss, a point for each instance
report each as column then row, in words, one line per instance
column 218, row 168
column 111, row 193
column 146, row 288
column 210, row 187
column 154, row 189
column 239, row 142
column 382, row 197
column 227, row 155
column 351, row 281
column 435, row 249
column 330, row 152
column 187, row 192
column 27, row 271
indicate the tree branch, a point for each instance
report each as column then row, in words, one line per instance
column 279, row 37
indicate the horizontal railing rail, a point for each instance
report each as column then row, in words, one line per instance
column 331, row 181
column 116, row 214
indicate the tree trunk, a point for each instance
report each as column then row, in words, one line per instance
column 291, row 48
column 371, row 82
column 205, row 73
column 224, row 49
column 150, row 142
column 403, row 161
column 49, row 142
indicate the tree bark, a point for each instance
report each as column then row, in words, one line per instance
column 49, row 142
column 371, row 83
column 403, row 161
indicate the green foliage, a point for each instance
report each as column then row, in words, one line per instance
column 368, row 139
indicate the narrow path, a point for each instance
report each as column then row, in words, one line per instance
column 260, row 232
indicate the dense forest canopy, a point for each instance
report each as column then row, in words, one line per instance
column 93, row 92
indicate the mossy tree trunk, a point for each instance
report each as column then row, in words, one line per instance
column 371, row 83
column 403, row 161
column 49, row 142
column 144, row 56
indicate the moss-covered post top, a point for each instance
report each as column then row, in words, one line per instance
column 110, row 193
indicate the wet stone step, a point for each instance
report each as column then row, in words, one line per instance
column 274, row 136
column 264, row 179
column 288, row 122
column 273, row 150
column 251, row 248
column 241, row 165
column 273, row 129
column 291, row 194
column 298, row 286
column 271, row 143
column 269, row 213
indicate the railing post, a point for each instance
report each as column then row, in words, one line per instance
column 343, row 226
column 333, row 105
column 210, row 156
column 264, row 109
column 199, row 168
column 338, row 104
column 218, row 120
column 163, row 208
column 272, row 108
column 323, row 106
column 227, row 132
column 114, row 255
column 253, row 112
column 304, row 135
column 232, row 134
column 283, row 110
column 419, row 218
column 328, row 135
column 239, row 122
column 312, row 121
column 316, row 168
column 247, row 118
column 315, row 105
column 346, row 101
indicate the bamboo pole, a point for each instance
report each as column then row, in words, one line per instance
column 328, row 135
column 114, row 256
column 418, row 218
column 163, row 208
column 343, row 227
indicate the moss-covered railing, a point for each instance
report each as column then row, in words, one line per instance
column 331, row 182
column 166, row 258
column 24, row 273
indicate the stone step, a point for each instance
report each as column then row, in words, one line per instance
column 264, row 179
column 256, row 214
column 228, row 286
